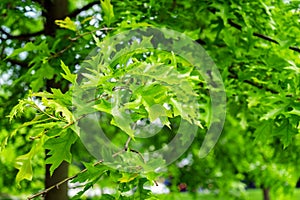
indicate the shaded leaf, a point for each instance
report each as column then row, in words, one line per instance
column 68, row 75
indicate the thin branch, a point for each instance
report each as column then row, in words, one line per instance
column 25, row 36
column 18, row 62
column 118, row 153
column 127, row 143
column 79, row 118
column 90, row 32
column 139, row 153
column 86, row 7
column 265, row 37
column 235, row 76
column 43, row 192
column 60, row 52
column 73, row 40
column 45, row 113
column 295, row 49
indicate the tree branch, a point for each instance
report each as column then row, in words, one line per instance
column 25, row 36
column 295, row 49
column 265, row 37
column 42, row 193
column 235, row 76
column 18, row 62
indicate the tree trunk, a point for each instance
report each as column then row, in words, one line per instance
column 53, row 10
column 266, row 193
column 61, row 173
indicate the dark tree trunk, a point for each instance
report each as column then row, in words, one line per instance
column 60, row 193
column 53, row 10
column 266, row 193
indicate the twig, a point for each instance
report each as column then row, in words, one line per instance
column 126, row 148
column 295, row 49
column 43, row 192
column 139, row 153
column 262, row 36
column 235, row 76
column 24, row 36
column 60, row 52
column 127, row 143
column 87, row 33
column 18, row 62
column 79, row 118
column 73, row 40
column 45, row 113
column 118, row 153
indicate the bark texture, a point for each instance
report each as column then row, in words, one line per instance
column 53, row 10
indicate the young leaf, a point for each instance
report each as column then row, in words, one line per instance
column 66, row 23
column 126, row 177
column 23, row 164
column 65, row 112
column 19, row 108
column 68, row 76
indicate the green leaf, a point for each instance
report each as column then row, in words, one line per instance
column 123, row 121
column 295, row 112
column 264, row 130
column 23, row 164
column 59, row 109
column 68, row 76
column 19, row 108
column 30, row 47
column 93, row 174
column 103, row 106
column 107, row 8
column 156, row 111
column 107, row 197
column 60, row 149
column 141, row 192
column 272, row 114
column 35, row 121
column 286, row 133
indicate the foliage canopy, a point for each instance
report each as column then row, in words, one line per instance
column 53, row 78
